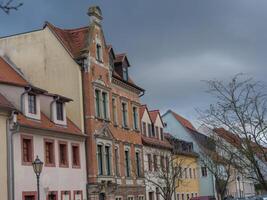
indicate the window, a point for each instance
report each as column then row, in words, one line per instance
column 185, row 172
column 178, row 196
column 155, row 163
column 63, row 154
column 65, row 195
column 49, row 153
column 100, row 159
column 161, row 134
column 29, row 195
column 60, row 114
column 157, row 131
column 190, row 173
column 194, row 173
column 99, row 52
column 167, row 163
column 149, row 160
column 138, row 164
column 157, row 193
column 151, row 196
column 27, row 149
column 114, row 111
column 107, row 154
column 195, row 194
column 130, row 198
column 153, row 130
column 125, row 73
column 78, row 195
column 183, row 197
column 117, row 160
column 141, row 197
column 192, row 195
column 162, row 162
column 149, row 130
column 187, row 196
column 75, row 155
column 135, row 118
column 52, row 195
column 118, row 198
column 144, row 128
column 124, row 115
column 204, row 171
column 105, row 105
column 127, row 164
column 97, row 103
column 32, row 103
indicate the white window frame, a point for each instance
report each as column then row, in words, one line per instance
column 115, row 110
column 137, row 116
column 101, row 108
column 127, row 148
column 25, row 103
column 127, row 114
column 54, row 114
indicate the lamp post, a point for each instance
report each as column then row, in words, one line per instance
column 37, row 168
column 238, row 180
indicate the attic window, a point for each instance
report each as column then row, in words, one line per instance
column 99, row 53
column 125, row 73
column 59, row 107
column 32, row 103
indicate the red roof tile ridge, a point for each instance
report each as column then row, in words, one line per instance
column 186, row 123
column 68, row 29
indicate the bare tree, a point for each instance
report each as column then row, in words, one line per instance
column 9, row 5
column 220, row 158
column 240, row 108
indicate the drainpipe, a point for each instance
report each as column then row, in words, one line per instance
column 12, row 128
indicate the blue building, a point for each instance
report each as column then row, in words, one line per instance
column 182, row 129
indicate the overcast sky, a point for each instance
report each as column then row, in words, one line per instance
column 172, row 45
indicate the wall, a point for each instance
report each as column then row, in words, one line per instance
column 57, row 178
column 176, row 129
column 46, row 64
column 3, row 156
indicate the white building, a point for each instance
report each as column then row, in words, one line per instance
column 41, row 128
column 156, row 150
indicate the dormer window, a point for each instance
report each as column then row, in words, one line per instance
column 32, row 104
column 99, row 53
column 125, row 73
column 60, row 114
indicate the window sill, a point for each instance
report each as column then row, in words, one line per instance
column 26, row 163
column 50, row 165
column 100, row 61
column 116, row 125
column 63, row 166
column 76, row 166
column 126, row 128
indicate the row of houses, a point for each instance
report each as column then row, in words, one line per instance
column 67, row 98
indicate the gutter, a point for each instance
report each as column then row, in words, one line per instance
column 10, row 153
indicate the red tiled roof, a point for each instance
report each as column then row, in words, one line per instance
column 153, row 115
column 9, row 76
column 154, row 142
column 120, row 57
column 228, row 136
column 183, row 121
column 142, row 110
column 74, row 40
column 46, row 124
column 4, row 103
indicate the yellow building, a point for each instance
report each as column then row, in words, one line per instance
column 188, row 184
column 187, row 161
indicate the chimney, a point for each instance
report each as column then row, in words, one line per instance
column 95, row 15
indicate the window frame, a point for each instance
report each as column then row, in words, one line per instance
column 59, row 111
column 66, row 154
column 127, row 163
column 99, row 52
column 64, row 192
column 29, row 193
column 144, row 127
column 77, row 191
column 31, row 150
column 138, row 163
column 117, row 161
column 135, row 115
column 102, row 107
column 77, row 145
column 108, row 165
column 125, row 120
column 53, row 163
column 54, row 192
column 114, row 111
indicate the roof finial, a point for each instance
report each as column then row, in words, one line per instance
column 95, row 14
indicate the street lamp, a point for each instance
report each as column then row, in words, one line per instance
column 238, row 179
column 37, row 168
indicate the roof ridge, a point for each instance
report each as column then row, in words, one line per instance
column 63, row 29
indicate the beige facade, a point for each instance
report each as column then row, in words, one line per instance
column 45, row 63
column 3, row 155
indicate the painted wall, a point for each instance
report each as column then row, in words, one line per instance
column 3, row 156
column 52, row 178
column 190, row 185
column 175, row 128
column 46, row 64
column 150, row 175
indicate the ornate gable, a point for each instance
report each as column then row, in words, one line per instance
column 104, row 132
